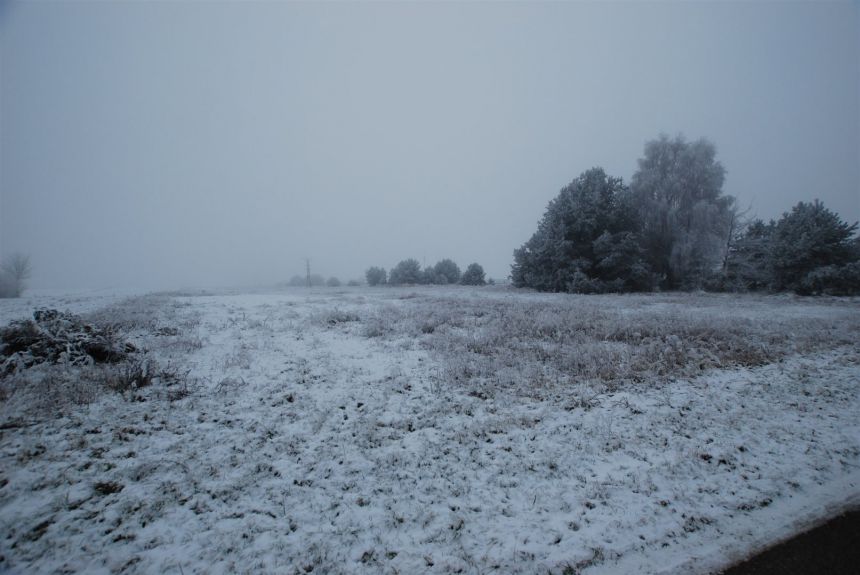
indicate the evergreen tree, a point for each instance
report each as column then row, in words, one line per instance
column 809, row 237
column 428, row 276
column 405, row 272
column 748, row 261
column 585, row 242
column 473, row 276
column 446, row 272
column 375, row 276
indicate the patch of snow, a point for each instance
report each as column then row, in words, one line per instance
column 308, row 444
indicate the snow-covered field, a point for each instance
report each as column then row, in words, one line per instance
column 433, row 430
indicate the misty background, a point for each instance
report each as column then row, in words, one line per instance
column 194, row 144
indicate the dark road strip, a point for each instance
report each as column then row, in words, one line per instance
column 831, row 549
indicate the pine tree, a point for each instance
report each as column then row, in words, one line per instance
column 809, row 237
column 473, row 276
column 405, row 272
column 591, row 220
column 375, row 276
column 446, row 272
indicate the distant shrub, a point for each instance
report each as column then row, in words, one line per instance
column 353, row 283
column 316, row 280
column 376, row 276
column 332, row 282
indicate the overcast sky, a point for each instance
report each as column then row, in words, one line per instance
column 206, row 144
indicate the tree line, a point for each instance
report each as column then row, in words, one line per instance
column 673, row 228
column 409, row 271
column 318, row 280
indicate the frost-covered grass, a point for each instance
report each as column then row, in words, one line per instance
column 535, row 347
column 440, row 430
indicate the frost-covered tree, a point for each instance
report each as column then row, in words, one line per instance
column 428, row 276
column 14, row 273
column 406, row 272
column 375, row 276
column 620, row 263
column 586, row 241
column 748, row 262
column 685, row 216
column 446, row 272
column 807, row 238
column 473, row 276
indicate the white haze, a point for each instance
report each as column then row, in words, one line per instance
column 207, row 144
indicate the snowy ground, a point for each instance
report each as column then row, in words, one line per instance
column 439, row 431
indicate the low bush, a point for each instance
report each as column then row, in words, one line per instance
column 832, row 280
column 58, row 337
column 58, row 359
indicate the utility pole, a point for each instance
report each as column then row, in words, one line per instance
column 308, row 271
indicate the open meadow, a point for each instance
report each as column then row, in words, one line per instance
column 422, row 430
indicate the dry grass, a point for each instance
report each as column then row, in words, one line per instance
column 535, row 345
column 57, row 384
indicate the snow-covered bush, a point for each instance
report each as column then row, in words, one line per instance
column 832, row 280
column 59, row 359
column 58, row 337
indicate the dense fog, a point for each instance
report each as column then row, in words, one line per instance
column 172, row 145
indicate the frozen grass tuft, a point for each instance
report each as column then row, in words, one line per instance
column 60, row 360
column 334, row 317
